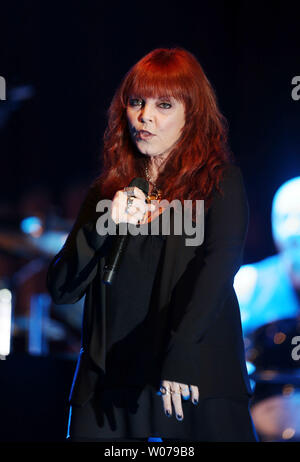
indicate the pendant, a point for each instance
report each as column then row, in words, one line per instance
column 154, row 195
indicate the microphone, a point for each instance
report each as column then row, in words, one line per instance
column 120, row 241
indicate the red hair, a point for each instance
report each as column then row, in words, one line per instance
column 197, row 162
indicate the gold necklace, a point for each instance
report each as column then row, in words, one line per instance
column 155, row 193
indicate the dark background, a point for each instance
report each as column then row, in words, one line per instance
column 74, row 55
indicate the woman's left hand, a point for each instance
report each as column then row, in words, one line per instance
column 171, row 393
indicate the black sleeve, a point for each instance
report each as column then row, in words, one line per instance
column 75, row 266
column 225, row 233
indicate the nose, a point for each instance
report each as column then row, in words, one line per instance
column 146, row 114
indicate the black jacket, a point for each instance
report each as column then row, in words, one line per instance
column 204, row 343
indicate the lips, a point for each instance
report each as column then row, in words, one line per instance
column 144, row 134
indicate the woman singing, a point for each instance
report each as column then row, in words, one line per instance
column 162, row 349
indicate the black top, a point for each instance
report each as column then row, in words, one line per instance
column 192, row 315
column 130, row 321
column 126, row 403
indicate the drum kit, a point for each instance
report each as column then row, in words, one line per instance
column 272, row 354
column 272, row 350
column 27, row 244
column 28, row 247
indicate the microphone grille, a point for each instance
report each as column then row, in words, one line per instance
column 140, row 183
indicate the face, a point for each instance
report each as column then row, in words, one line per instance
column 155, row 123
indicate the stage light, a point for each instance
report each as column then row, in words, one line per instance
column 244, row 284
column 286, row 215
column 250, row 367
column 288, row 433
column 5, row 322
column 288, row 390
column 279, row 338
column 31, row 225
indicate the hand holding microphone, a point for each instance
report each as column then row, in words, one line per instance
column 129, row 206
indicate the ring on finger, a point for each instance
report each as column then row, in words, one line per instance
column 164, row 390
column 129, row 203
column 184, row 390
column 129, row 190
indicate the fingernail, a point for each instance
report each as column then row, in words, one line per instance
column 158, row 393
column 195, row 401
column 168, row 414
column 179, row 417
column 186, row 397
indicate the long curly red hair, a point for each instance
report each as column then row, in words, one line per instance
column 197, row 162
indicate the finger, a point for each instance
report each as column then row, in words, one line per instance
column 176, row 400
column 118, row 206
column 185, row 391
column 166, row 398
column 133, row 219
column 120, row 213
column 194, row 394
column 137, row 204
column 131, row 210
column 140, row 216
column 139, row 193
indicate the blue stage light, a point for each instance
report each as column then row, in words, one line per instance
column 154, row 440
column 30, row 225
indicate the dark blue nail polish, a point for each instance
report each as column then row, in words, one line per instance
column 186, row 397
column 179, row 417
column 195, row 401
column 168, row 414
